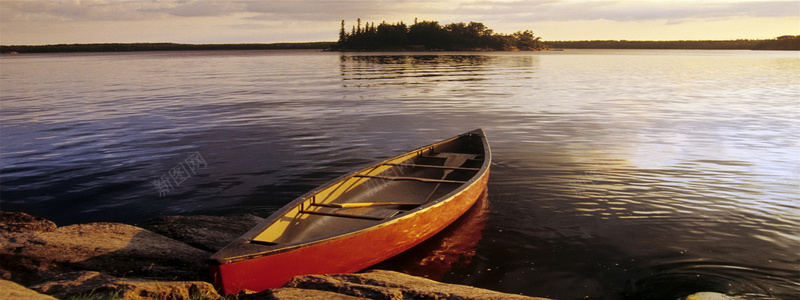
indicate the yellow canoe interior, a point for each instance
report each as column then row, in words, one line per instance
column 380, row 192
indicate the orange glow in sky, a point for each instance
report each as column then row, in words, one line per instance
column 203, row 21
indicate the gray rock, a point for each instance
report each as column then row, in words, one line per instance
column 209, row 233
column 89, row 284
column 112, row 248
column 22, row 222
column 13, row 290
column 380, row 284
column 16, row 229
column 296, row 294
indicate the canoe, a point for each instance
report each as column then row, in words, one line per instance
column 361, row 218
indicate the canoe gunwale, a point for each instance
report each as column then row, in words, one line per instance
column 246, row 247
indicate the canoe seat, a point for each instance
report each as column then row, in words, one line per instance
column 365, row 204
column 420, row 179
column 431, row 167
column 373, row 212
column 445, row 155
column 369, row 213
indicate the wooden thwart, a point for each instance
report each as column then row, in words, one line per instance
column 430, row 180
column 445, row 155
column 432, row 167
column 365, row 210
column 362, row 204
column 372, row 212
column 344, row 215
column 453, row 160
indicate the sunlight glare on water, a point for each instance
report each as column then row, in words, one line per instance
column 617, row 174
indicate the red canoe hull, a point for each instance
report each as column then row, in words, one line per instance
column 349, row 253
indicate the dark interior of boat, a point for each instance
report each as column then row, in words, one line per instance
column 381, row 192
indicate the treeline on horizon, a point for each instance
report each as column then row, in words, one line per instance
column 786, row 42
column 124, row 47
column 429, row 35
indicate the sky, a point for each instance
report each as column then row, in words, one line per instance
column 38, row 22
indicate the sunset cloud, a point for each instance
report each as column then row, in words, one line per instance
column 206, row 20
column 317, row 10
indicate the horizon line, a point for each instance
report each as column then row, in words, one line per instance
column 314, row 42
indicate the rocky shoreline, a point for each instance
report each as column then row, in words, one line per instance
column 165, row 258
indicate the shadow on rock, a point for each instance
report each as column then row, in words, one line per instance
column 91, row 284
column 116, row 249
column 210, row 233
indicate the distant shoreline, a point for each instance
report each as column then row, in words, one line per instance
column 781, row 43
column 131, row 47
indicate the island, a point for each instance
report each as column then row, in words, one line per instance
column 429, row 35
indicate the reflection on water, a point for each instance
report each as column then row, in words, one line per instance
column 617, row 174
column 454, row 246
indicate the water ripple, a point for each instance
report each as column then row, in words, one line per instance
column 617, row 174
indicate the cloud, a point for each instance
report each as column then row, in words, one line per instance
column 326, row 11
column 45, row 21
column 329, row 10
column 110, row 10
column 206, row 8
column 102, row 10
column 65, row 11
column 565, row 10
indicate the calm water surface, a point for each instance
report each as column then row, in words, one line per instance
column 617, row 174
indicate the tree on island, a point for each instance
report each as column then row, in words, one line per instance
column 786, row 42
column 429, row 35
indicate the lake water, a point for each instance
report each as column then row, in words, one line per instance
column 617, row 174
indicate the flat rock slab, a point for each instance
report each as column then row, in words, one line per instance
column 112, row 248
column 296, row 294
column 94, row 285
column 22, row 222
column 16, row 229
column 210, row 233
column 13, row 290
column 380, row 284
